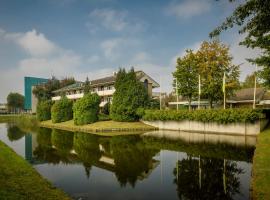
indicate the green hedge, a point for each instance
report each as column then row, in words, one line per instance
column 44, row 110
column 61, row 110
column 86, row 109
column 214, row 115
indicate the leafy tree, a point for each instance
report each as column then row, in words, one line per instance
column 253, row 16
column 62, row 110
column 250, row 81
column 86, row 88
column 67, row 81
column 213, row 61
column 186, row 75
column 15, row 101
column 44, row 110
column 129, row 95
column 106, row 108
column 85, row 110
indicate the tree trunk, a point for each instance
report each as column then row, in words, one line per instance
column 210, row 103
column 189, row 104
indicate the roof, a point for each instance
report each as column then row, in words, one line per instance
column 73, row 86
column 247, row 94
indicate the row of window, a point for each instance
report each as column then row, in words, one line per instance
column 102, row 88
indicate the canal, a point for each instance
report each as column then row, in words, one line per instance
column 153, row 165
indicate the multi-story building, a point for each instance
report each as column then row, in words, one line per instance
column 104, row 87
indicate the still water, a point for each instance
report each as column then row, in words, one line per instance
column 154, row 165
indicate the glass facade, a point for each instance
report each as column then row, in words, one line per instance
column 28, row 83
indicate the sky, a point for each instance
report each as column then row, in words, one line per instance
column 93, row 38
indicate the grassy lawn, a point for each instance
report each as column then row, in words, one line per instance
column 261, row 166
column 18, row 179
column 108, row 128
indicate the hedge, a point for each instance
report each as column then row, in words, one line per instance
column 214, row 115
column 85, row 110
column 44, row 110
column 61, row 110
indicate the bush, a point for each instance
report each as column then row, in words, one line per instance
column 86, row 109
column 44, row 110
column 216, row 115
column 106, row 109
column 61, row 110
column 103, row 117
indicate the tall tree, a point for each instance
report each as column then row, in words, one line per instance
column 249, row 81
column 15, row 101
column 86, row 88
column 253, row 16
column 214, row 60
column 186, row 75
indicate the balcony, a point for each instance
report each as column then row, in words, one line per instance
column 70, row 96
column 106, row 92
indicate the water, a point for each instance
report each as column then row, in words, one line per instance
column 154, row 165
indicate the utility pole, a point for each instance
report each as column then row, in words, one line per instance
column 177, row 96
column 199, row 98
column 224, row 91
column 160, row 93
column 255, row 87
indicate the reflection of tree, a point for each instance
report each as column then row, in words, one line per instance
column 205, row 178
column 132, row 158
column 14, row 132
column 87, row 148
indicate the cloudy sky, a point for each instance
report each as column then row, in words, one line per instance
column 95, row 37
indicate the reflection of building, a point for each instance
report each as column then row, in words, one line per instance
column 104, row 87
column 3, row 108
column 30, row 101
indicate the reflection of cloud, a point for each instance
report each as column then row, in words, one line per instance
column 188, row 8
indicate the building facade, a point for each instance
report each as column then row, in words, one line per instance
column 30, row 101
column 104, row 87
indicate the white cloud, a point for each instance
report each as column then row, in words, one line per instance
column 113, row 20
column 188, row 8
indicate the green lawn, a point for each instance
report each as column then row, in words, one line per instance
column 261, row 166
column 19, row 180
column 108, row 128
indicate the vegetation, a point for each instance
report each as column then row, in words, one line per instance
column 249, row 82
column 15, row 102
column 130, row 95
column 106, row 109
column 61, row 110
column 216, row 115
column 45, row 91
column 261, row 163
column 86, row 88
column 18, row 179
column 85, row 110
column 253, row 17
column 186, row 75
column 44, row 110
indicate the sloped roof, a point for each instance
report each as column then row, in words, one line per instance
column 266, row 95
column 73, row 86
column 247, row 94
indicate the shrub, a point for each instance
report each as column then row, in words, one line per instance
column 215, row 115
column 86, row 109
column 103, row 117
column 44, row 110
column 106, row 109
column 61, row 110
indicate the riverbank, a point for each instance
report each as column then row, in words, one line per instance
column 107, row 128
column 261, row 166
column 18, row 179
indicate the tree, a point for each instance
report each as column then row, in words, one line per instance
column 249, row 81
column 186, row 75
column 253, row 16
column 213, row 61
column 15, row 101
column 86, row 88
column 62, row 110
column 44, row 110
column 85, row 110
column 130, row 94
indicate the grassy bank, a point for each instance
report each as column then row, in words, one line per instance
column 18, row 180
column 108, row 128
column 261, row 166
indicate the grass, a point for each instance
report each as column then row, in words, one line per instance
column 261, row 166
column 19, row 180
column 108, row 128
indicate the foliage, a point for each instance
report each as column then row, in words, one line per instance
column 186, row 75
column 253, row 16
column 61, row 110
column 153, row 104
column 103, row 117
column 86, row 88
column 44, row 110
column 14, row 132
column 106, row 108
column 45, row 91
column 222, row 116
column 85, row 110
column 213, row 61
column 130, row 95
column 15, row 101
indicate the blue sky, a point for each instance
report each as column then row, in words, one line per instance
column 95, row 37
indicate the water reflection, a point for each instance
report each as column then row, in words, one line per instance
column 201, row 170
